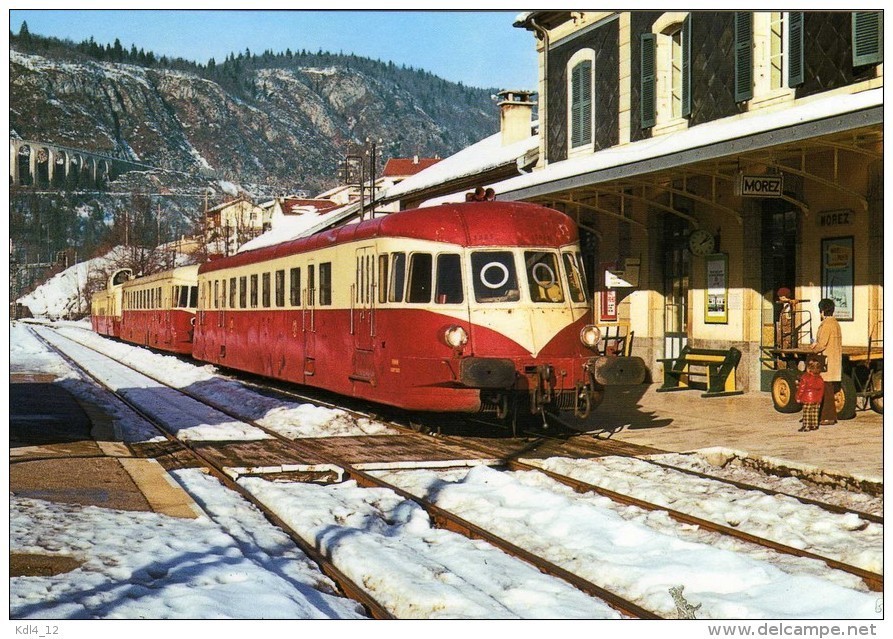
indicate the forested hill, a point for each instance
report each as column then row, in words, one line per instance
column 281, row 119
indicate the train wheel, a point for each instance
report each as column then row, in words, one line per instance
column 877, row 383
column 845, row 398
column 784, row 391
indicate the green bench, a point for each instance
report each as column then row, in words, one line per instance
column 707, row 369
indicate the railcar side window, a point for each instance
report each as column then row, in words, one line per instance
column 420, row 271
column 265, row 290
column 398, row 277
column 382, row 279
column 254, row 287
column 280, row 288
column 233, row 292
column 576, row 281
column 216, row 293
column 325, row 284
column 193, row 296
column 542, row 277
column 183, row 296
column 295, row 293
column 243, row 292
column 449, row 279
column 311, row 285
column 494, row 277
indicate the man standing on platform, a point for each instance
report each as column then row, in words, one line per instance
column 828, row 343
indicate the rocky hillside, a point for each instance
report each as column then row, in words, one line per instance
column 256, row 124
column 285, row 121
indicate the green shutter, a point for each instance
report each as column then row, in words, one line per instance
column 581, row 104
column 795, row 49
column 686, row 67
column 868, row 37
column 743, row 56
column 648, row 96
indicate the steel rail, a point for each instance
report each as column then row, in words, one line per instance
column 344, row 583
column 440, row 517
column 873, row 580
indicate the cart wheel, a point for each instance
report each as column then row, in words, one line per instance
column 784, row 390
column 877, row 384
column 845, row 398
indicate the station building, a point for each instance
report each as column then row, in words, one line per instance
column 712, row 159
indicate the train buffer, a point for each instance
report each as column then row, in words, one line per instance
column 706, row 369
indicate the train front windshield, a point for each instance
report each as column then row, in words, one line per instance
column 495, row 279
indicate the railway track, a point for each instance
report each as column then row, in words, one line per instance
column 441, row 517
column 509, row 459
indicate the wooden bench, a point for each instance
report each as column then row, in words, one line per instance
column 706, row 369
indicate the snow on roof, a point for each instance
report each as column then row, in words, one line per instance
column 291, row 227
column 487, row 154
column 303, row 205
column 717, row 131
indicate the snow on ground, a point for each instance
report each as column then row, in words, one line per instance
column 230, row 563
column 847, row 538
column 290, row 419
column 628, row 557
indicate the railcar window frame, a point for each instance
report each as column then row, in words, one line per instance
column 294, row 277
column 216, row 293
column 416, row 290
column 279, row 286
column 325, row 284
column 311, row 285
column 265, row 290
column 383, row 273
column 233, row 292
column 498, row 276
column 243, row 291
column 397, row 284
column 448, row 282
column 543, row 277
column 193, row 296
column 575, row 276
column 253, row 291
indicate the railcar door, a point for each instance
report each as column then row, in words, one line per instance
column 363, row 314
column 308, row 322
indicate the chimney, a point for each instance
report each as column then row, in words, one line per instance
column 515, row 113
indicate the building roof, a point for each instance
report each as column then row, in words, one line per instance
column 476, row 159
column 292, row 204
column 398, row 167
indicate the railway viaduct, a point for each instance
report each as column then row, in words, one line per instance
column 43, row 165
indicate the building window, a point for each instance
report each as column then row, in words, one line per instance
column 768, row 54
column 666, row 72
column 580, row 99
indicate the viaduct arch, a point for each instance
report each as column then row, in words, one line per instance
column 43, row 165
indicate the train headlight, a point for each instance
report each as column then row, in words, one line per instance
column 590, row 335
column 455, row 337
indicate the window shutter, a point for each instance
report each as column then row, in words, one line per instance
column 743, row 56
column 795, row 53
column 586, row 102
column 581, row 104
column 686, row 67
column 648, row 96
column 575, row 106
column 868, row 38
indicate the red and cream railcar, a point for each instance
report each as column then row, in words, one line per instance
column 106, row 305
column 466, row 307
column 159, row 310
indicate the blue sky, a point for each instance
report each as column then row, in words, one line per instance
column 478, row 48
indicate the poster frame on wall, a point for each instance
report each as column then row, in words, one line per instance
column 716, row 290
column 838, row 275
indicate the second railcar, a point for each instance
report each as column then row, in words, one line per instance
column 467, row 307
column 159, row 310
